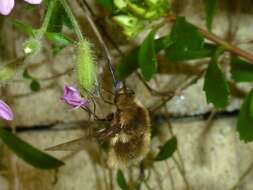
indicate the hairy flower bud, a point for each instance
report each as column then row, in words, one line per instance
column 86, row 68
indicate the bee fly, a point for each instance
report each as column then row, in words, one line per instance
column 132, row 140
column 128, row 132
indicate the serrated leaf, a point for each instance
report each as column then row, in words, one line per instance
column 210, row 6
column 147, row 57
column 245, row 119
column 242, row 71
column 188, row 43
column 167, row 149
column 122, row 183
column 130, row 62
column 28, row 153
column 215, row 85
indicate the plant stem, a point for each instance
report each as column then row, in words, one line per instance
column 216, row 39
column 73, row 20
column 46, row 20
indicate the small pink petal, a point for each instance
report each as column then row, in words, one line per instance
column 5, row 111
column 33, row 1
column 73, row 98
column 6, row 6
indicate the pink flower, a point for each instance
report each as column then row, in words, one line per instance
column 7, row 5
column 5, row 111
column 73, row 98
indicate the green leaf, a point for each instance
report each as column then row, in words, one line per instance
column 56, row 49
column 162, row 43
column 23, row 27
column 35, row 85
column 59, row 39
column 188, row 43
column 215, row 85
column 242, row 71
column 130, row 62
column 107, row 4
column 28, row 153
column 210, row 6
column 245, row 119
column 147, row 57
column 56, row 20
column 66, row 21
column 9, row 70
column 122, row 183
column 167, row 149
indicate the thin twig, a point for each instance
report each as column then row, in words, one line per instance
column 106, row 185
column 102, row 29
column 216, row 39
column 245, row 174
column 111, row 179
column 153, row 91
column 170, row 175
column 147, row 185
column 207, row 128
column 97, row 176
column 182, row 172
column 158, row 178
column 180, row 89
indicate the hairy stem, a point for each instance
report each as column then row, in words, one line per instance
column 73, row 20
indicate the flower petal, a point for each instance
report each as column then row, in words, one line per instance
column 33, row 1
column 73, row 98
column 6, row 6
column 5, row 111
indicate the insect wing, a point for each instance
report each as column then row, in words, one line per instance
column 73, row 145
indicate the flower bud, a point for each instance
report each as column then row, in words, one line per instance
column 130, row 24
column 120, row 4
column 32, row 46
column 86, row 68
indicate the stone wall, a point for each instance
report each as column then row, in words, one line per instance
column 213, row 156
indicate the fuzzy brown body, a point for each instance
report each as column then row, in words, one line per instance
column 132, row 142
column 128, row 132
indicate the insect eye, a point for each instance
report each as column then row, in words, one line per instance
column 119, row 87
